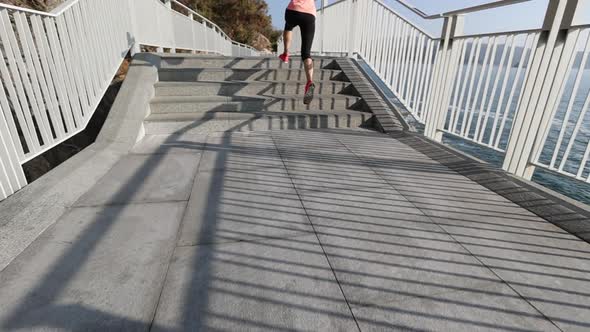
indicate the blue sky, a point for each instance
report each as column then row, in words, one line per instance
column 522, row 16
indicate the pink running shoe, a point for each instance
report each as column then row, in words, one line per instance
column 309, row 90
column 284, row 57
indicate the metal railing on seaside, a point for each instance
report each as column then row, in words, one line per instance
column 523, row 93
column 58, row 65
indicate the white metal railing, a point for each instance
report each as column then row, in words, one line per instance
column 56, row 67
column 523, row 93
column 406, row 65
column 564, row 145
column 487, row 86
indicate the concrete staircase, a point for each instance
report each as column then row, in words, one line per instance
column 208, row 93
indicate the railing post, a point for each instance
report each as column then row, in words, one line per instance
column 168, row 4
column 548, row 70
column 352, row 27
column 192, row 17
column 323, row 26
column 136, row 48
column 444, row 74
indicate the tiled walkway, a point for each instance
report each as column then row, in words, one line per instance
column 335, row 230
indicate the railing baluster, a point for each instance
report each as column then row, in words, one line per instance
column 494, row 91
column 433, row 51
column 62, row 76
column 459, row 82
column 527, row 72
column 416, row 72
column 397, row 50
column 13, row 177
column 410, row 65
column 470, row 64
column 404, row 41
column 392, row 51
column 46, row 78
column 18, row 97
column 489, row 75
column 473, row 78
column 67, row 65
column 386, row 46
column 77, row 65
column 474, row 108
column 11, row 123
column 28, row 49
column 575, row 134
column 79, row 34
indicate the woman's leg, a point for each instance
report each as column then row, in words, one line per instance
column 290, row 23
column 287, row 36
column 307, row 36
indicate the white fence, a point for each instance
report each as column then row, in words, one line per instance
column 58, row 65
column 522, row 93
column 488, row 83
column 564, row 144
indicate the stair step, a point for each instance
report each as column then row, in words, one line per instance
column 242, row 63
column 189, row 104
column 249, row 88
column 165, row 124
column 215, row 74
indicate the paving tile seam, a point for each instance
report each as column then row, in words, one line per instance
column 521, row 296
column 173, row 251
column 254, row 240
column 315, row 189
column 131, row 203
column 244, row 169
column 165, row 152
column 320, row 242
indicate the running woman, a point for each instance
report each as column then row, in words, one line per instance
column 301, row 13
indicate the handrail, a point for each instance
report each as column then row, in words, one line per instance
column 466, row 10
column 405, row 19
column 500, row 33
column 29, row 11
column 65, row 6
column 210, row 22
column 213, row 24
column 487, row 6
column 54, row 13
column 200, row 16
column 461, row 11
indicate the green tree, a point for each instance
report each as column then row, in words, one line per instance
column 242, row 20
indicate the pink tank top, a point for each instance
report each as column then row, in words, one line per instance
column 303, row 6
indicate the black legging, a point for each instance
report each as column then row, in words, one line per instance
column 306, row 23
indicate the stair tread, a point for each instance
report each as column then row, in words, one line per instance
column 205, row 83
column 239, row 98
column 222, row 57
column 163, row 117
column 172, row 69
column 323, row 80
